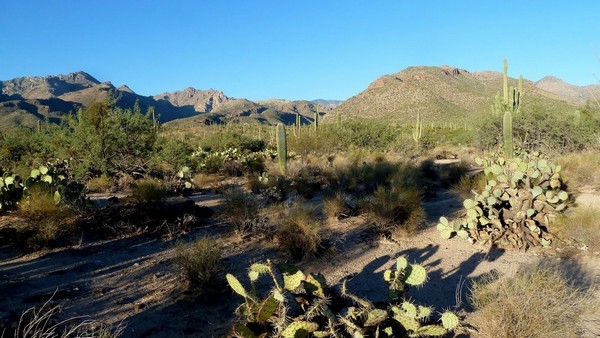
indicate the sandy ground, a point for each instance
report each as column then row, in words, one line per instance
column 135, row 280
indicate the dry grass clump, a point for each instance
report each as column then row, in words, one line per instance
column 44, row 220
column 395, row 209
column 201, row 261
column 148, row 191
column 299, row 233
column 43, row 321
column 38, row 203
column 241, row 210
column 580, row 227
column 469, row 183
column 99, row 184
column 581, row 169
column 339, row 205
column 207, row 181
column 539, row 301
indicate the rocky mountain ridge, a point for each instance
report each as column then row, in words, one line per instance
column 25, row 100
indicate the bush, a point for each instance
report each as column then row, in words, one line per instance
column 299, row 233
column 201, row 261
column 539, row 301
column 581, row 170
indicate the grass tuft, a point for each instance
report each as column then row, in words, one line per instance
column 201, row 261
column 539, row 301
column 580, row 227
column 300, row 231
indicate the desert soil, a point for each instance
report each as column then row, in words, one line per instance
column 135, row 280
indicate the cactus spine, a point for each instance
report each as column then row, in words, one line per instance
column 281, row 147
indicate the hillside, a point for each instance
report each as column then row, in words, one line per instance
column 440, row 94
column 574, row 94
column 26, row 100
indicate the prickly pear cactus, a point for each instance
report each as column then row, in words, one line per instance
column 516, row 205
column 322, row 312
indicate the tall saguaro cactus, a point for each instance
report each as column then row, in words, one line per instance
column 510, row 104
column 281, row 147
column 418, row 131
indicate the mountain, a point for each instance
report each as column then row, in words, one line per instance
column 26, row 100
column 440, row 94
column 574, row 94
column 327, row 103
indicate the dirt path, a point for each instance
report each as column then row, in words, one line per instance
column 136, row 281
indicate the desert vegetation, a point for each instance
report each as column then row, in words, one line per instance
column 297, row 194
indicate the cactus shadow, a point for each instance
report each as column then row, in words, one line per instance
column 446, row 289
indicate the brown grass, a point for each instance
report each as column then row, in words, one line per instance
column 539, row 301
column 148, row 191
column 299, row 233
column 201, row 261
column 395, row 209
column 580, row 227
column 207, row 181
column 581, row 170
column 99, row 184
column 241, row 211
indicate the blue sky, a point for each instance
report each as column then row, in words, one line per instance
column 293, row 49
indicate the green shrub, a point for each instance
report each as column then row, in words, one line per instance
column 201, row 261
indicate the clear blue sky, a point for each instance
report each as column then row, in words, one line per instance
column 293, row 49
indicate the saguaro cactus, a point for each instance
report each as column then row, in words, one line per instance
column 316, row 121
column 281, row 147
column 511, row 104
column 418, row 131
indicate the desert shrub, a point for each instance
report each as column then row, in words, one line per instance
column 299, row 232
column 579, row 228
column 392, row 208
column 201, row 261
column 148, row 191
column 169, row 156
column 241, row 211
column 99, row 184
column 538, row 129
column 539, row 301
column 300, row 304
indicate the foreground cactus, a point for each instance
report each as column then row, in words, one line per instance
column 314, row 314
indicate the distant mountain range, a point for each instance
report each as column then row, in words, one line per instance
column 439, row 94
column 25, row 100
